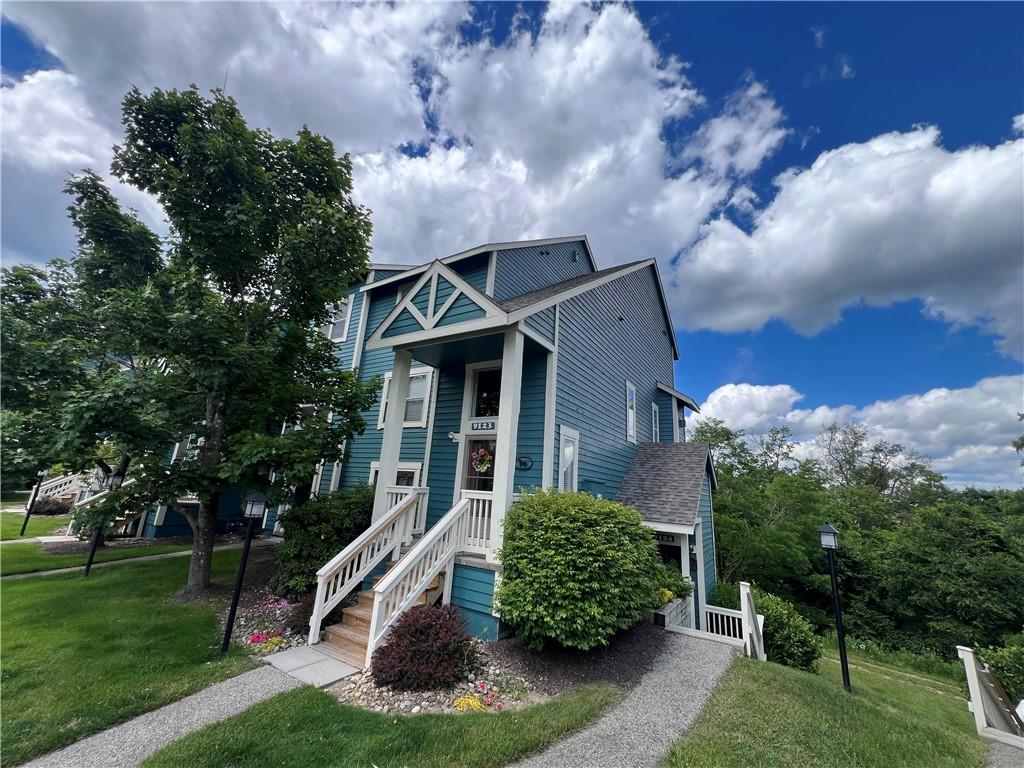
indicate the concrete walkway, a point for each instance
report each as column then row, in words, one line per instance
column 1004, row 756
column 638, row 731
column 311, row 664
column 128, row 744
column 271, row 542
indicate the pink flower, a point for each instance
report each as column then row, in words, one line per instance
column 500, row 706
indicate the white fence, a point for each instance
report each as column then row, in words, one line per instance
column 478, row 527
column 995, row 718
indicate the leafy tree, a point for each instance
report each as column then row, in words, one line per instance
column 214, row 336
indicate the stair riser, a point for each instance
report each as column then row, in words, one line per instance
column 347, row 645
column 356, row 621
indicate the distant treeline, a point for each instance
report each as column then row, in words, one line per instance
column 923, row 567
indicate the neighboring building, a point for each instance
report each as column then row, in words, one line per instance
column 507, row 367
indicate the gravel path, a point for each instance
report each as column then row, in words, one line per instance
column 1004, row 756
column 130, row 743
column 639, row 730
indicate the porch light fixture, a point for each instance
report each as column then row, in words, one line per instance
column 830, row 543
column 253, row 507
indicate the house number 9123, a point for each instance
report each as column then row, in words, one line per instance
column 481, row 426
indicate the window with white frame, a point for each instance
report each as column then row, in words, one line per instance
column 408, row 473
column 416, row 403
column 568, row 459
column 630, row 412
column 655, row 424
column 337, row 327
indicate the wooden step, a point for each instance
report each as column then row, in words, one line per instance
column 349, row 640
column 359, row 615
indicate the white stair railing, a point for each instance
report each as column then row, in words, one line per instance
column 723, row 621
column 478, row 529
column 753, row 624
column 347, row 569
column 995, row 717
column 61, row 486
column 395, row 493
column 403, row 585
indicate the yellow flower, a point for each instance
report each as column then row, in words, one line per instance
column 469, row 703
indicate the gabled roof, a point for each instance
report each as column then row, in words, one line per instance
column 555, row 290
column 665, row 480
column 487, row 248
column 686, row 400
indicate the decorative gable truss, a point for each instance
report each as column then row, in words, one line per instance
column 439, row 303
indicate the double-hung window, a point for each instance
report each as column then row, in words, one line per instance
column 337, row 327
column 416, row 403
column 630, row 412
column 655, row 424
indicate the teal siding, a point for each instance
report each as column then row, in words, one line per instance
column 473, row 594
column 443, row 452
column 444, row 292
column 422, row 299
column 707, row 525
column 543, row 323
column 404, row 323
column 521, row 270
column 664, row 401
column 346, row 349
column 530, row 436
column 365, row 448
column 473, row 270
column 597, row 354
column 462, row 310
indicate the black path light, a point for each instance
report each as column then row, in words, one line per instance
column 114, row 481
column 255, row 505
column 32, row 499
column 830, row 542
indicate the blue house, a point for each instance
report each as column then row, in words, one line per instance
column 507, row 367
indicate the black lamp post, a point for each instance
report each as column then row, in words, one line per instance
column 255, row 504
column 32, row 500
column 830, row 542
column 114, row 481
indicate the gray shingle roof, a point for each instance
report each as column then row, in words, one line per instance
column 526, row 299
column 665, row 480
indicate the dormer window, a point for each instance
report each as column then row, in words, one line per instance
column 337, row 328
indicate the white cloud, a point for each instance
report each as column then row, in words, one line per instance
column 966, row 431
column 845, row 66
column 748, row 130
column 1018, row 124
column 894, row 218
column 818, row 34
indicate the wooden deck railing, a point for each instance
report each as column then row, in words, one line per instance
column 346, row 570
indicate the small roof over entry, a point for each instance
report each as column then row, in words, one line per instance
column 665, row 480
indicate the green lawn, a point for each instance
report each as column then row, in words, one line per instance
column 310, row 728
column 39, row 525
column 13, row 499
column 769, row 715
column 31, row 557
column 80, row 655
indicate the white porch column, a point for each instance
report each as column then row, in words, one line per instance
column 698, row 537
column 398, row 391
column 508, row 427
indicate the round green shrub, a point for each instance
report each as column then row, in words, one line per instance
column 671, row 578
column 788, row 637
column 427, row 649
column 575, row 569
column 314, row 533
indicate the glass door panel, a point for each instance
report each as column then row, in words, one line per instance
column 479, row 472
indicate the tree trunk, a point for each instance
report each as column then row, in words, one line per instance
column 202, row 546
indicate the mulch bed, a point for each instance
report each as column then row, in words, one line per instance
column 630, row 655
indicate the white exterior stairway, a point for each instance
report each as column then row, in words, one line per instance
column 419, row 574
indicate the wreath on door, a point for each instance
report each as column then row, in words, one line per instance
column 482, row 460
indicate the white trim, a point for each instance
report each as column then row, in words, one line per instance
column 508, row 428
column 655, row 423
column 698, row 538
column 432, row 302
column 564, row 433
column 491, row 266
column 403, row 466
column 364, row 314
column 571, row 293
column 391, row 439
column 685, row 530
column 430, row 427
column 348, row 301
column 428, row 387
column 439, row 333
column 534, row 336
column 631, row 436
column 492, row 247
column 468, row 398
column 550, row 398
column 675, row 420
column 684, row 398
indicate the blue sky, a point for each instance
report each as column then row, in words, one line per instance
column 832, row 191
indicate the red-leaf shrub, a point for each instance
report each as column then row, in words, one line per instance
column 428, row 648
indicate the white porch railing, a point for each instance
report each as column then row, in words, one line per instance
column 744, row 627
column 478, row 528
column 723, row 621
column 753, row 624
column 435, row 552
column 348, row 568
column 62, row 485
column 395, row 493
column 995, row 717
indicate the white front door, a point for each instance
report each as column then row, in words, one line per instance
column 479, row 428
